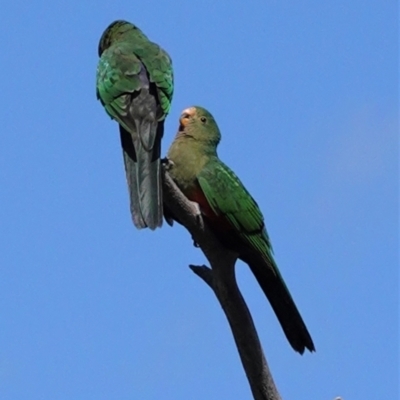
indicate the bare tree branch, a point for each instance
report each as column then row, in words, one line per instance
column 221, row 279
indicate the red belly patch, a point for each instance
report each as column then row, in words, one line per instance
column 216, row 221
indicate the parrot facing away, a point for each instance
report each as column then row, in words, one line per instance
column 231, row 213
column 134, row 83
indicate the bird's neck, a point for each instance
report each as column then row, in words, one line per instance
column 189, row 158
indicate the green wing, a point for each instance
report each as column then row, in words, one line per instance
column 229, row 198
column 118, row 74
column 159, row 66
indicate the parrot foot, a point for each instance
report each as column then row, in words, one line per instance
column 195, row 244
column 167, row 163
column 199, row 218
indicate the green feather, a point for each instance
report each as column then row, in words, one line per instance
column 123, row 48
column 134, row 83
column 228, row 197
column 195, row 162
column 117, row 74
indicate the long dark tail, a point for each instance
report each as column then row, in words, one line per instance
column 143, row 173
column 275, row 289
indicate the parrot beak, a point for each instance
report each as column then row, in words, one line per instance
column 185, row 117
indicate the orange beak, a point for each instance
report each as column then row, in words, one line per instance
column 186, row 116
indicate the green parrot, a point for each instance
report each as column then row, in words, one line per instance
column 231, row 213
column 135, row 84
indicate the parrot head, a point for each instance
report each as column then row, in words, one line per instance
column 199, row 124
column 117, row 31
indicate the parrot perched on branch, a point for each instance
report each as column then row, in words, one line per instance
column 231, row 213
column 135, row 84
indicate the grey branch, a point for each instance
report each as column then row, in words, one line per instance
column 221, row 279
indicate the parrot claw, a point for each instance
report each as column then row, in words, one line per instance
column 168, row 164
column 199, row 218
column 195, row 244
column 197, row 207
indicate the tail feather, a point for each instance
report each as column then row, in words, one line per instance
column 149, row 178
column 143, row 174
column 136, row 212
column 283, row 305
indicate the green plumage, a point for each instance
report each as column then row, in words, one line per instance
column 229, row 198
column 232, row 213
column 135, row 85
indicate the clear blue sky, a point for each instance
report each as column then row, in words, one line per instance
column 305, row 94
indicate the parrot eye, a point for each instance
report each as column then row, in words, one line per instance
column 203, row 120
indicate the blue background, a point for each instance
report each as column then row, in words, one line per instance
column 305, row 94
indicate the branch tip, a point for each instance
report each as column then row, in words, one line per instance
column 204, row 273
